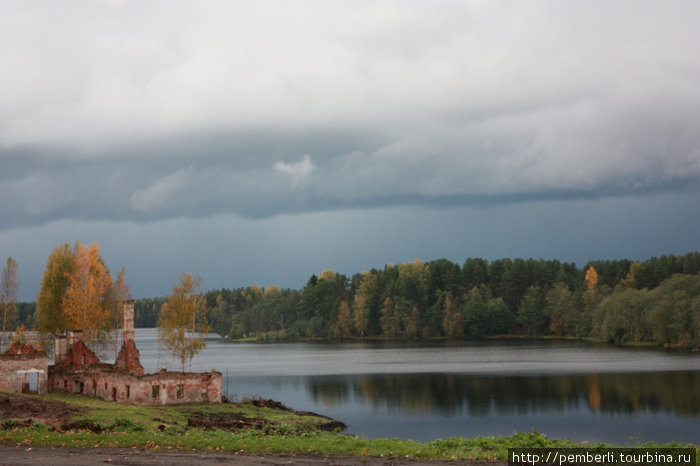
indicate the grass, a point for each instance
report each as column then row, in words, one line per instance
column 106, row 413
column 165, row 428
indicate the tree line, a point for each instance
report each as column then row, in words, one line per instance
column 617, row 301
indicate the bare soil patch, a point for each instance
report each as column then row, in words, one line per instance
column 225, row 421
column 29, row 409
column 233, row 421
column 330, row 425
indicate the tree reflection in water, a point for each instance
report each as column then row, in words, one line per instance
column 674, row 392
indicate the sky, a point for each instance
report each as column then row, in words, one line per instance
column 260, row 142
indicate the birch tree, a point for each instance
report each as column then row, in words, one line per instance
column 50, row 317
column 343, row 325
column 9, row 284
column 176, row 325
column 359, row 314
column 87, row 304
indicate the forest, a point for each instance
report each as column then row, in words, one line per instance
column 618, row 301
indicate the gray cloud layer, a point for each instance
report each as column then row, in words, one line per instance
column 153, row 110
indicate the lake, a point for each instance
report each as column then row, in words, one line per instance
column 429, row 390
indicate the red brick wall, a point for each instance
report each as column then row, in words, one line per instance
column 173, row 387
column 79, row 357
column 12, row 368
column 129, row 358
column 128, row 311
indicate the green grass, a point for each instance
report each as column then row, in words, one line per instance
column 107, row 413
column 319, row 443
column 164, row 428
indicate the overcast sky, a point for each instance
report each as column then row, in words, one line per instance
column 260, row 142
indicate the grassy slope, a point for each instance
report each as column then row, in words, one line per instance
column 166, row 428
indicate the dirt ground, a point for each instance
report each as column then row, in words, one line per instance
column 23, row 455
column 39, row 410
column 236, row 421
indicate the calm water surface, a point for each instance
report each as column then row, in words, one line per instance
column 426, row 391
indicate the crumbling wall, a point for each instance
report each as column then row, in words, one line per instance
column 69, row 380
column 151, row 389
column 177, row 387
column 79, row 357
column 17, row 370
column 129, row 359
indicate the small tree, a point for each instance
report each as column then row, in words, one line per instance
column 120, row 293
column 359, row 314
column 176, row 325
column 343, row 326
column 533, row 314
column 591, row 278
column 8, row 297
column 367, row 290
column 453, row 323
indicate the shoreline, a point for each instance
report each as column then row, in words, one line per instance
column 264, row 338
column 250, row 430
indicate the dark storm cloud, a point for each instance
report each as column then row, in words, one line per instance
column 142, row 111
column 192, row 184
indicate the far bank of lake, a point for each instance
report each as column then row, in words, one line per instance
column 429, row 390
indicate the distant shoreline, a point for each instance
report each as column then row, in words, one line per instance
column 506, row 337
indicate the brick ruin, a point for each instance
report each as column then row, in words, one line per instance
column 77, row 369
column 24, row 369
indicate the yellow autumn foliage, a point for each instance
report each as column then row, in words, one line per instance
column 86, row 302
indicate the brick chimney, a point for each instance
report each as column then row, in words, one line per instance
column 74, row 336
column 128, row 357
column 128, row 311
column 60, row 349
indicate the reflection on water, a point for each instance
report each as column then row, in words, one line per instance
column 448, row 394
column 429, row 390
